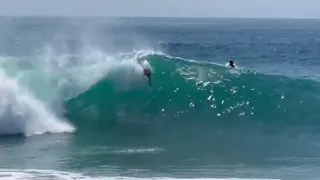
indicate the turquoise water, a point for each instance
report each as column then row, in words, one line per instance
column 74, row 103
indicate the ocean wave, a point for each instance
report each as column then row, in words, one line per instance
column 96, row 88
column 185, row 89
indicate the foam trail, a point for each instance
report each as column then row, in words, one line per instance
column 51, row 174
column 20, row 113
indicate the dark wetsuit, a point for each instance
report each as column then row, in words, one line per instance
column 231, row 64
column 147, row 73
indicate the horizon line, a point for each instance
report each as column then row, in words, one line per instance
column 158, row 17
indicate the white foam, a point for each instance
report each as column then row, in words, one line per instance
column 59, row 175
column 20, row 113
column 139, row 150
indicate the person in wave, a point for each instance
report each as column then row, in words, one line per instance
column 147, row 74
column 146, row 70
column 231, row 64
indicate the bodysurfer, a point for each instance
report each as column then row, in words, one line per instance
column 231, row 64
column 146, row 69
column 147, row 74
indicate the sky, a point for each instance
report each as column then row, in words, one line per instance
column 164, row 8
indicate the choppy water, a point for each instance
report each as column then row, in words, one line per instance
column 74, row 103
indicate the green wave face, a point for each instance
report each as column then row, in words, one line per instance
column 189, row 91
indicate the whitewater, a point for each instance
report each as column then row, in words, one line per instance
column 75, row 104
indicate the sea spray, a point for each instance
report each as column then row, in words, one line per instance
column 52, row 78
column 23, row 114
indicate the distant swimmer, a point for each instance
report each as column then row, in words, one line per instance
column 231, row 64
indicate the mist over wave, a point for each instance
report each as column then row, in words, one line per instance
column 51, row 79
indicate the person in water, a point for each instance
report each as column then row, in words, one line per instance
column 146, row 69
column 231, row 64
column 147, row 74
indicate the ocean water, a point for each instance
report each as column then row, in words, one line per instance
column 74, row 103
